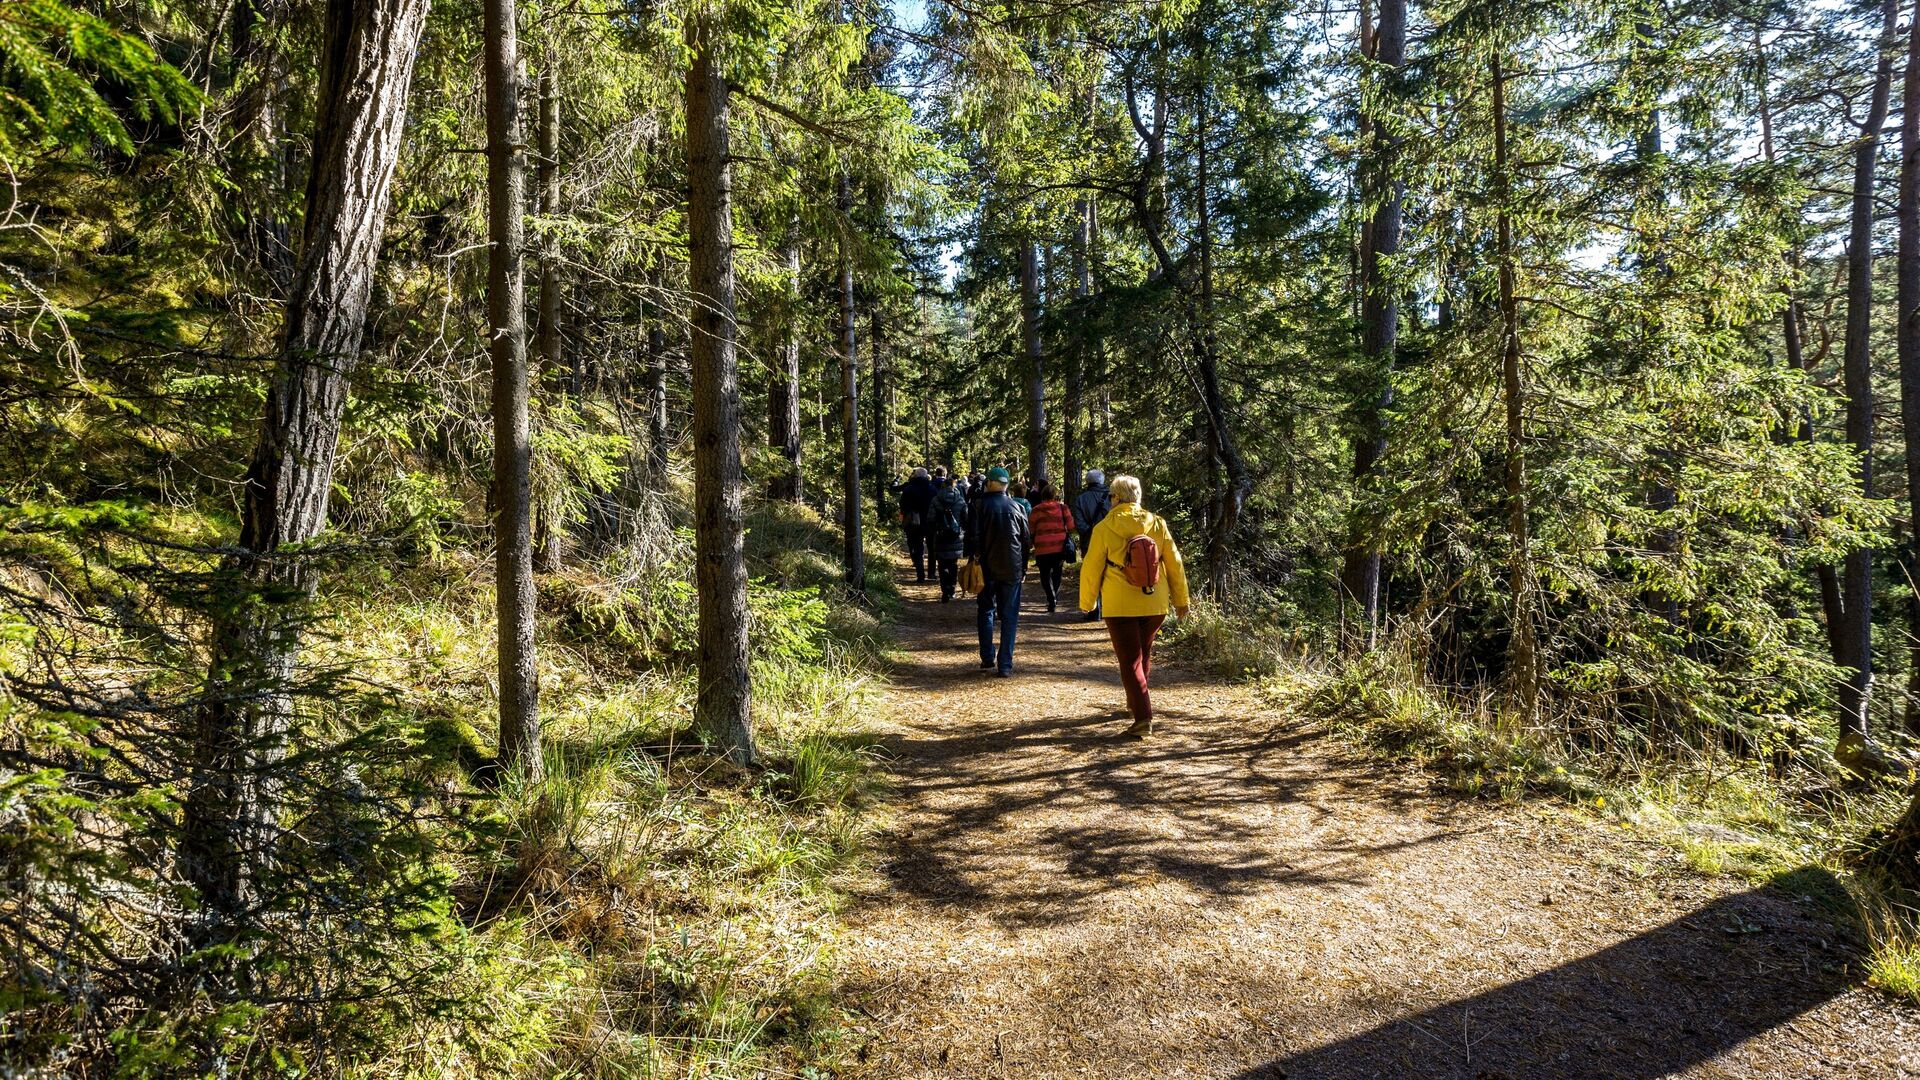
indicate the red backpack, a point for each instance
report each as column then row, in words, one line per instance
column 1142, row 568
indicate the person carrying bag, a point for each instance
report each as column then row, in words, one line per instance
column 972, row 578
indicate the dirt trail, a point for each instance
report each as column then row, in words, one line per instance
column 1237, row 897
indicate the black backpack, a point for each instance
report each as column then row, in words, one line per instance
column 950, row 528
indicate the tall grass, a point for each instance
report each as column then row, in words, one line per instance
column 643, row 910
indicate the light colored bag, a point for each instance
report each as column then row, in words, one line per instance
column 972, row 578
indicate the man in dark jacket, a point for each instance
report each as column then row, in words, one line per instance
column 1000, row 538
column 916, row 499
column 947, row 532
column 1089, row 507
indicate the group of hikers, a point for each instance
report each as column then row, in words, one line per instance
column 1131, row 572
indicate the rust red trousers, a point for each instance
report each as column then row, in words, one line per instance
column 1133, row 643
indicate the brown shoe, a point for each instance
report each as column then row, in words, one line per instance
column 1140, row 729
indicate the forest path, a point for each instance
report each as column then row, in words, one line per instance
column 1237, row 897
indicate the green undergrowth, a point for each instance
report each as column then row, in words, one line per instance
column 1761, row 820
column 645, row 910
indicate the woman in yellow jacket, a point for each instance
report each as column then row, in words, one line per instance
column 1133, row 615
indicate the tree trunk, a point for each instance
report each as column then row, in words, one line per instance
column 1036, row 359
column 783, row 403
column 882, row 415
column 366, row 70
column 1853, row 639
column 552, row 538
column 1522, row 652
column 723, row 704
column 854, row 553
column 1236, row 483
column 1074, row 403
column 1197, row 305
column 512, row 437
column 924, row 381
column 1907, row 338
column 546, row 172
column 658, row 436
column 1380, row 320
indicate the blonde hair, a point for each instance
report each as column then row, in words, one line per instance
column 1125, row 489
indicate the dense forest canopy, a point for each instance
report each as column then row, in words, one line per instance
column 387, row 389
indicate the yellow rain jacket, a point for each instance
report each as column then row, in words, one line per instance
column 1100, row 575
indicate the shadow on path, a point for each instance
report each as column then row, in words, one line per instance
column 1062, row 901
column 1653, row 1005
column 1031, row 806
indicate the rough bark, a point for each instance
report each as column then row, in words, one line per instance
column 1036, row 358
column 783, row 403
column 1380, row 322
column 1522, row 653
column 723, row 702
column 1853, row 638
column 366, row 67
column 512, row 435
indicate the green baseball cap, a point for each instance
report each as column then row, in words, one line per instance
column 999, row 475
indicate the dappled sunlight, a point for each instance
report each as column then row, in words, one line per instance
column 1237, row 896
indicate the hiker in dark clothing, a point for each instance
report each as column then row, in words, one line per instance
column 999, row 537
column 916, row 499
column 1089, row 507
column 947, row 532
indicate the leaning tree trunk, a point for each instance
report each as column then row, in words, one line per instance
column 854, row 552
column 783, row 404
column 512, row 439
column 1522, row 650
column 1853, row 639
column 723, row 703
column 1036, row 359
column 1380, row 317
column 238, row 734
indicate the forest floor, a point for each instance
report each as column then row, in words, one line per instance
column 1243, row 896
